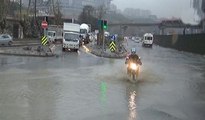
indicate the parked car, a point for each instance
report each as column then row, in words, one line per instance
column 137, row 40
column 6, row 39
column 133, row 38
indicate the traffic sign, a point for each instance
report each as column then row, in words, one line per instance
column 103, row 24
column 44, row 40
column 44, row 24
column 112, row 46
column 96, row 31
column 113, row 37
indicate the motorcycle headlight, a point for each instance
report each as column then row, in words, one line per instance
column 133, row 66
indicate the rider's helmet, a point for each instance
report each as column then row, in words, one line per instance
column 133, row 51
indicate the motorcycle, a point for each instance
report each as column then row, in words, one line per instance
column 133, row 69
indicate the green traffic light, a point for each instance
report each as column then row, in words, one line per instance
column 102, row 24
column 105, row 24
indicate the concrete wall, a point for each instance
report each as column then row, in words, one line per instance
column 194, row 43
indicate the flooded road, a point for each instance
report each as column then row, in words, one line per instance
column 81, row 86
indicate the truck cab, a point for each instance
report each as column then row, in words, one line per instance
column 51, row 36
column 71, row 41
column 84, row 33
column 71, row 36
column 55, row 33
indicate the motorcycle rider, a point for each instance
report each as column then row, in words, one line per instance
column 133, row 57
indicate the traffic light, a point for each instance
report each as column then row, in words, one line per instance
column 101, row 24
column 104, row 24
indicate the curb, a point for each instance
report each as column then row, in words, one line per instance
column 120, row 56
column 20, row 45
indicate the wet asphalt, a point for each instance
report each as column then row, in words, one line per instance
column 81, row 86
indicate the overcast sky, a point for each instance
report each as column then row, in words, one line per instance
column 162, row 8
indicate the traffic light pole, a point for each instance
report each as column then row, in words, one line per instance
column 102, row 25
column 44, row 29
column 103, row 38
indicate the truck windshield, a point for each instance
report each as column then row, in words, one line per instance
column 71, row 37
column 50, row 34
column 83, row 31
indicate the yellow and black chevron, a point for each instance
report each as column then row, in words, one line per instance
column 44, row 40
column 112, row 46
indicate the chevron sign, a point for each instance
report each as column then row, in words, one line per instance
column 44, row 40
column 112, row 46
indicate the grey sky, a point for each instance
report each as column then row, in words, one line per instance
column 162, row 8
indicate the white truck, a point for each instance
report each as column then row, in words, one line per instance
column 71, row 39
column 84, row 33
column 147, row 40
column 55, row 33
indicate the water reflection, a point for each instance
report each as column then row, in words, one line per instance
column 103, row 89
column 132, row 101
column 132, row 106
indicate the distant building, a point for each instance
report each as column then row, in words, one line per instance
column 113, row 8
column 153, row 17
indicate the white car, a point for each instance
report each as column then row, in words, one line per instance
column 6, row 39
column 133, row 38
column 137, row 40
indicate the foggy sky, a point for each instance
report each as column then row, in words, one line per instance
column 163, row 8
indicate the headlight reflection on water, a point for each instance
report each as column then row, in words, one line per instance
column 132, row 106
column 86, row 49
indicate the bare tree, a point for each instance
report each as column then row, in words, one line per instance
column 3, row 13
column 3, row 8
column 88, row 16
column 57, row 13
column 29, row 5
column 101, row 11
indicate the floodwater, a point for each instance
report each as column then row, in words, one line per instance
column 81, row 86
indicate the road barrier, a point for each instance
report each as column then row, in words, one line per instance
column 194, row 43
column 44, row 40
